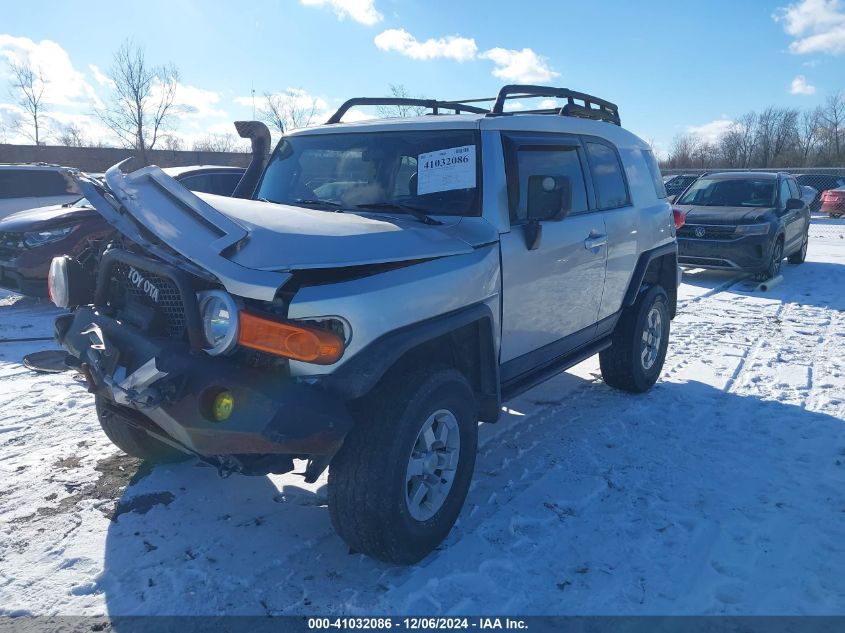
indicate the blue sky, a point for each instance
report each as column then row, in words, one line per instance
column 671, row 66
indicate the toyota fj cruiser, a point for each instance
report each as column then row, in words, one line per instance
column 372, row 291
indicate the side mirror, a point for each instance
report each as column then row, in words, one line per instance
column 549, row 197
column 671, row 199
column 794, row 204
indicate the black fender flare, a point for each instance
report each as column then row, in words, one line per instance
column 360, row 374
column 640, row 269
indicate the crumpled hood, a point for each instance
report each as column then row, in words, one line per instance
column 282, row 237
column 252, row 247
column 43, row 217
column 723, row 215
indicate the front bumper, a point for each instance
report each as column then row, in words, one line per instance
column 23, row 276
column 172, row 387
column 749, row 253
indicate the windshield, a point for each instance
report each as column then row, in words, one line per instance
column 436, row 172
column 734, row 192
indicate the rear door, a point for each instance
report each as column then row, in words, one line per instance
column 551, row 294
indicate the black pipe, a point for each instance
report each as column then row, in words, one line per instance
column 259, row 136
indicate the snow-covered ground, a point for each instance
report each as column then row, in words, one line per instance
column 720, row 491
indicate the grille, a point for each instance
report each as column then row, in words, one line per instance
column 10, row 244
column 711, row 232
column 705, row 261
column 137, row 289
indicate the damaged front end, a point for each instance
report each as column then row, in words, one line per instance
column 142, row 350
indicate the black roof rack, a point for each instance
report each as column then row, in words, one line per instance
column 432, row 104
column 590, row 107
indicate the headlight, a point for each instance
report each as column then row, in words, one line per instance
column 752, row 229
column 39, row 238
column 219, row 314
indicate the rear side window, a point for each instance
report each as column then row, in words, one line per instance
column 32, row 183
column 224, row 183
column 654, row 170
column 608, row 177
column 543, row 160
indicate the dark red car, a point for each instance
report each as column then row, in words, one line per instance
column 29, row 240
column 833, row 202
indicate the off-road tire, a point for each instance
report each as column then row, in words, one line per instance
column 773, row 268
column 621, row 364
column 367, row 478
column 121, row 431
column 799, row 256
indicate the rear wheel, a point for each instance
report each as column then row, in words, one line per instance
column 773, row 269
column 635, row 358
column 123, row 433
column 399, row 482
column 800, row 255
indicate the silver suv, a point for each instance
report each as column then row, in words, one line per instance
column 372, row 292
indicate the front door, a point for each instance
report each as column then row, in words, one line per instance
column 550, row 294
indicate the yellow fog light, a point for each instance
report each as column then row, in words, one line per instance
column 223, row 405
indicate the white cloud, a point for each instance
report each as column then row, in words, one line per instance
column 100, row 77
column 194, row 103
column 800, row 86
column 298, row 99
column 712, row 131
column 817, row 26
column 66, row 86
column 362, row 11
column 519, row 66
column 452, row 46
column 509, row 65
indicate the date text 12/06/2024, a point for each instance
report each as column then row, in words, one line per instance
column 386, row 623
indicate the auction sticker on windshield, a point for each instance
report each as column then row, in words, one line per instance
column 446, row 169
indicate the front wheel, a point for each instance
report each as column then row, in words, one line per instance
column 638, row 349
column 773, row 268
column 799, row 256
column 399, row 482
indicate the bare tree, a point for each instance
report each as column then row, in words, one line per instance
column 142, row 104
column 72, row 136
column 391, row 112
column 288, row 110
column 808, row 129
column 219, row 143
column 833, row 116
column 28, row 86
column 172, row 143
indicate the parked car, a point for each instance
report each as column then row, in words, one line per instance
column 26, row 186
column 821, row 183
column 833, row 202
column 375, row 299
column 744, row 221
column 678, row 183
column 29, row 240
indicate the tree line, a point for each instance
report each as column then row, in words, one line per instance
column 773, row 137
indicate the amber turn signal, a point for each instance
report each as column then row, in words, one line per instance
column 310, row 345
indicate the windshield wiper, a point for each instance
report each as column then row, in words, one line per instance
column 322, row 203
column 418, row 213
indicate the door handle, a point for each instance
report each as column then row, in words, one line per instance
column 592, row 243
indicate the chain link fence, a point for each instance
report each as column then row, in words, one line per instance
column 819, row 178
